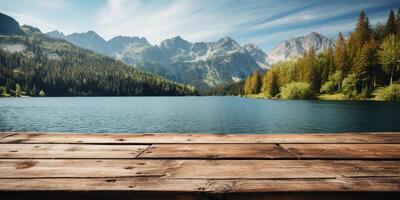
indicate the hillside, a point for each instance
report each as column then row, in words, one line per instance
column 34, row 64
column 8, row 26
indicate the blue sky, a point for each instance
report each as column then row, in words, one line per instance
column 263, row 22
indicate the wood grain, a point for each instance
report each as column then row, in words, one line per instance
column 217, row 151
column 70, row 151
column 345, row 151
column 62, row 138
column 196, row 169
column 382, row 184
column 196, row 166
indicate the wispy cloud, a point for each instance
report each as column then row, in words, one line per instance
column 264, row 22
column 159, row 20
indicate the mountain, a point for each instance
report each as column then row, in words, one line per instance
column 9, row 26
column 88, row 40
column 257, row 54
column 91, row 40
column 30, row 30
column 203, row 64
column 295, row 47
column 56, row 35
column 35, row 62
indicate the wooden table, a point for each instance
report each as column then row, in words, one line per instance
column 199, row 166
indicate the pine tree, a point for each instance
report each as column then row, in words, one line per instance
column 390, row 27
column 248, row 88
column 271, row 86
column 310, row 74
column 341, row 58
column 398, row 22
column 325, row 64
column 364, row 65
column 253, row 84
column 361, row 35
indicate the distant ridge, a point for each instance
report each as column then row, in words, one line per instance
column 295, row 47
column 9, row 26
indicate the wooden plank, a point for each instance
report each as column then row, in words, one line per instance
column 383, row 184
column 196, row 169
column 79, row 168
column 37, row 137
column 314, row 196
column 282, row 169
column 70, row 151
column 99, row 195
column 213, row 151
column 345, row 151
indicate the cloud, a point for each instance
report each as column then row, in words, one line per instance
column 319, row 12
column 264, row 22
column 159, row 20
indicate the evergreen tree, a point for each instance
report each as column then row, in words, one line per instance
column 310, row 74
column 360, row 36
column 257, row 82
column 390, row 27
column 398, row 22
column 364, row 66
column 253, row 84
column 341, row 57
column 271, row 86
column 325, row 64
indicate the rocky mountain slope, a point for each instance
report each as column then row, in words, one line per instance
column 203, row 64
column 9, row 26
column 295, row 47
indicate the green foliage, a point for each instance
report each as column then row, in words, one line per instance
column 297, row 90
column 368, row 59
column 349, row 86
column 42, row 93
column 233, row 89
column 365, row 63
column 270, row 83
column 389, row 93
column 341, row 57
column 389, row 55
column 398, row 22
column 253, row 84
column 328, row 87
column 18, row 90
column 390, row 27
column 62, row 69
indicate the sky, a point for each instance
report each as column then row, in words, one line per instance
column 266, row 23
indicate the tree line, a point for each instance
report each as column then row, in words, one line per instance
column 369, row 58
column 72, row 71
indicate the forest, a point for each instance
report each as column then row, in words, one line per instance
column 50, row 67
column 363, row 65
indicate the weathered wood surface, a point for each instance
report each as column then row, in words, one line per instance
column 217, row 151
column 96, row 138
column 197, row 169
column 344, row 151
column 70, row 151
column 194, row 166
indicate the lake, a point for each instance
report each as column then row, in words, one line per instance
column 195, row 115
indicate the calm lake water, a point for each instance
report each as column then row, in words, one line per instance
column 195, row 115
